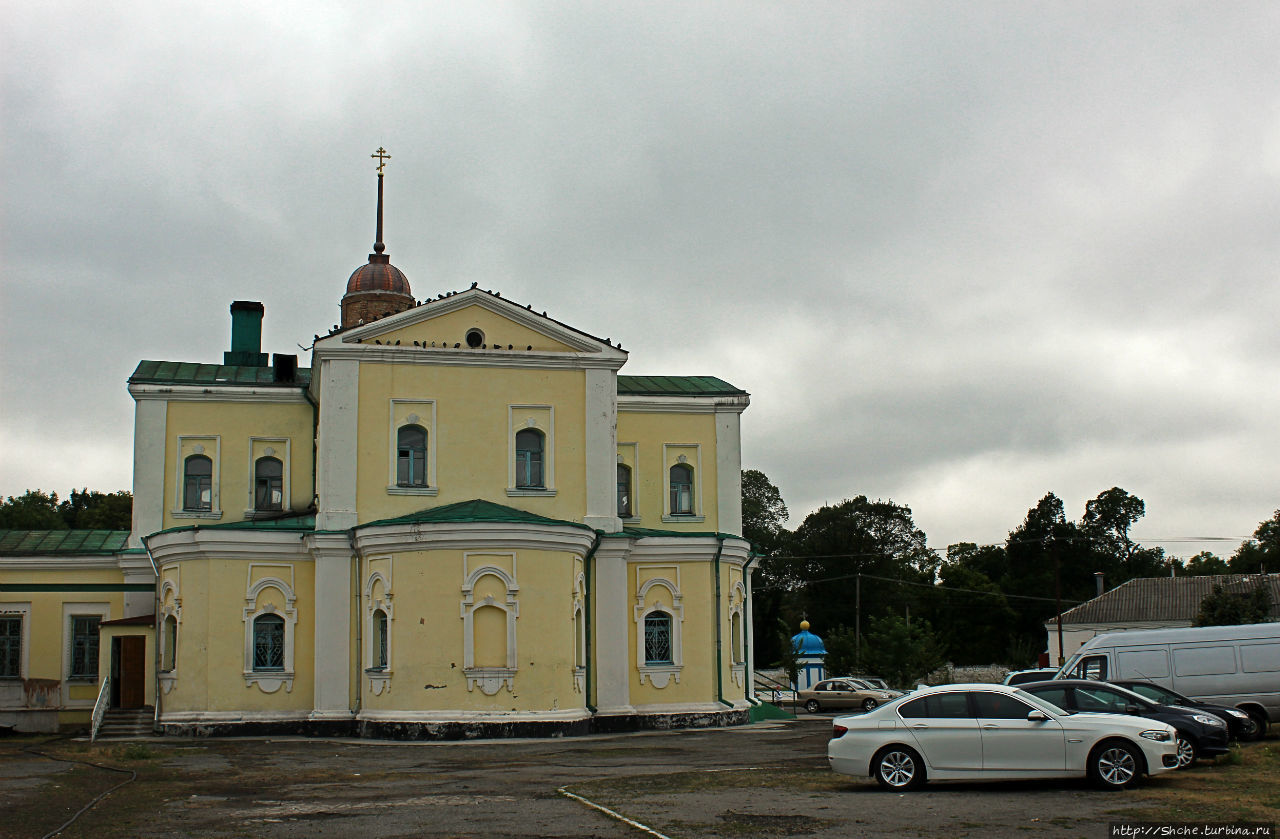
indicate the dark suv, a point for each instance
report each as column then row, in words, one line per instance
column 1200, row 734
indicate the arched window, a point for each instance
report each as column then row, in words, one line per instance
column 529, row 459
column 268, row 484
column 735, row 638
column 268, row 642
column 682, row 490
column 197, row 483
column 170, row 643
column 624, row 491
column 657, row 638
column 379, row 640
column 411, row 458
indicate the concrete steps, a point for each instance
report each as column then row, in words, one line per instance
column 124, row 724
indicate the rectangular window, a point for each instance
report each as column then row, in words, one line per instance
column 84, row 647
column 11, row 648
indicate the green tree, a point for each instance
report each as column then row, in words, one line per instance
column 1106, row 523
column 1205, row 564
column 1229, row 608
column 877, row 539
column 33, row 510
column 1262, row 551
column 899, row 652
column 86, row 510
column 974, row 619
column 842, row 652
column 764, row 516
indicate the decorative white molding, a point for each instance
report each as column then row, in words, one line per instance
column 286, row 467
column 379, row 678
column 269, row 681
column 668, row 460
column 489, row 679
column 180, row 471
column 681, row 404
column 338, row 381
column 149, row 449
column 659, row 675
column 170, row 608
column 472, row 536
column 22, row 611
column 220, row 393
column 544, row 421
column 428, row 423
column 728, row 471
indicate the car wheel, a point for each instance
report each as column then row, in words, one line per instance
column 1187, row 752
column 898, row 768
column 812, row 706
column 1257, row 730
column 1114, row 765
column 869, row 704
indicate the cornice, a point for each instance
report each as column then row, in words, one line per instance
column 472, row 536
column 59, row 563
column 683, row 404
column 217, row 393
column 442, row 356
column 214, row 543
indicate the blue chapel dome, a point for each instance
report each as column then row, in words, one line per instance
column 806, row 643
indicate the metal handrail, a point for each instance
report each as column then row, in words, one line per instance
column 778, row 689
column 100, row 708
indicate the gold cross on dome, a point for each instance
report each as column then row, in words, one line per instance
column 382, row 157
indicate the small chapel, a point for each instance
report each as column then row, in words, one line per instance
column 460, row 520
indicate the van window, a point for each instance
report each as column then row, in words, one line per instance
column 1143, row 664
column 1204, row 661
column 1260, row 658
column 1092, row 667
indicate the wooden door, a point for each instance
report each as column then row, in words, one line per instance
column 133, row 671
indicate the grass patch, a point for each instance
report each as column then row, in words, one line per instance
column 1243, row 785
column 137, row 751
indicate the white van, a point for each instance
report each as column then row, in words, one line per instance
column 1227, row 665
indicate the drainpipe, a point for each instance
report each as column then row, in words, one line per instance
column 315, row 442
column 715, row 565
column 155, row 595
column 749, row 668
column 589, row 567
column 357, row 594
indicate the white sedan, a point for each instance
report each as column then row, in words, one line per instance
column 971, row 732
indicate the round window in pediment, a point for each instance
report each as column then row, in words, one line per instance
column 475, row 338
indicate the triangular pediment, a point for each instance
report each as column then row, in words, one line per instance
column 445, row 323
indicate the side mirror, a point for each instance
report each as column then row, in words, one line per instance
column 1037, row 716
column 1132, row 709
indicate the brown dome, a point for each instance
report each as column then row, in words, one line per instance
column 379, row 275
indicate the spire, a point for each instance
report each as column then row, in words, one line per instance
column 378, row 246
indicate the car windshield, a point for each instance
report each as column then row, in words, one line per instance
column 1157, row 694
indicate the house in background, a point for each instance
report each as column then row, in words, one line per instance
column 1148, row 603
column 459, row 520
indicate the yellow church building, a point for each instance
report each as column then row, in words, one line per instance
column 459, row 521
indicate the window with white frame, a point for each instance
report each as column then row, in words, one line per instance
column 268, row 484
column 411, row 456
column 657, row 638
column 84, row 647
column 268, row 643
column 379, row 622
column 169, row 641
column 11, row 647
column 529, row 459
column 681, row 490
column 197, row 483
column 624, row 491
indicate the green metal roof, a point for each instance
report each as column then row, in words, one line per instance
column 676, row 386
column 61, row 542
column 477, row 510
column 190, row 373
column 301, row 523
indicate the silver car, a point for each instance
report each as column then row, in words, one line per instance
column 971, row 732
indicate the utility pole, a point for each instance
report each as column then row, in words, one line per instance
column 857, row 623
column 1057, row 593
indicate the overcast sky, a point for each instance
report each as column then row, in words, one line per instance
column 961, row 254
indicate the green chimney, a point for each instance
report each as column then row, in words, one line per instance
column 246, row 335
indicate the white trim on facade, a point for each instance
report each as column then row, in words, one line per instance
column 379, row 677
column 547, row 426
column 728, row 471
column 668, row 461
column 601, row 450
column 659, row 675
column 269, row 681
column 181, row 454
column 286, row 464
column 149, row 451
column 291, row 394
column 337, row 444
column 489, row 679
